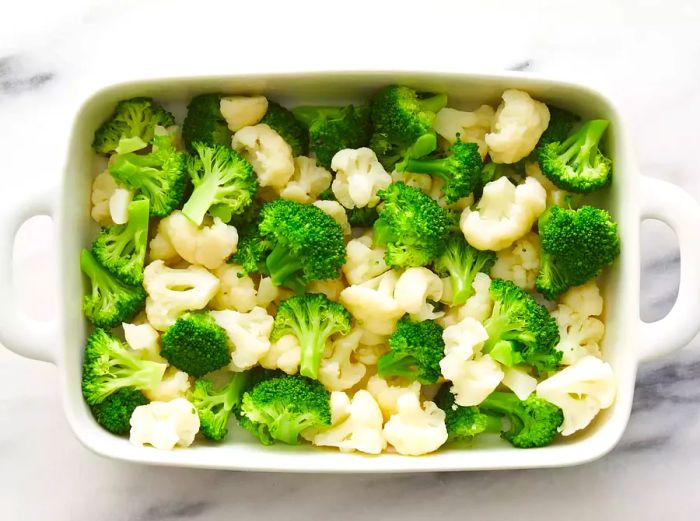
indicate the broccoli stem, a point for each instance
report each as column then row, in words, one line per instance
column 287, row 427
column 202, row 198
column 382, row 232
column 312, row 340
column 282, row 264
column 434, row 103
column 497, row 327
column 133, row 235
column 584, row 143
column 437, row 167
column 397, row 365
column 99, row 277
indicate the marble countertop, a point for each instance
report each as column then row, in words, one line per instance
column 645, row 55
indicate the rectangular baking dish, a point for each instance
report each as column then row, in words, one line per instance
column 628, row 340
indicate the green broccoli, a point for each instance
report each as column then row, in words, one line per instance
column 214, row 406
column 533, row 422
column 461, row 262
column 114, row 412
column 160, row 175
column 561, row 123
column 403, row 122
column 196, row 344
column 415, row 351
column 577, row 164
column 362, row 217
column 109, row 302
column 121, row 249
column 576, row 246
column 281, row 408
column 109, row 365
column 312, row 318
column 204, row 123
column 332, row 129
column 521, row 328
column 411, row 225
column 460, row 170
column 289, row 127
column 133, row 119
column 224, row 183
column 464, row 423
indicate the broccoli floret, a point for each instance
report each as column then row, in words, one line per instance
column 533, row 422
column 196, row 344
column 160, row 175
column 109, row 302
column 109, row 366
column 460, row 170
column 415, row 351
column 576, row 246
column 114, row 412
column 519, row 323
column 121, row 249
column 204, row 122
column 411, row 225
column 561, row 123
column 463, row 423
column 214, row 406
column 134, row 118
column 332, row 129
column 224, row 183
column 281, row 408
column 577, row 164
column 461, row 262
column 362, row 217
column 289, row 127
column 403, row 122
column 312, row 318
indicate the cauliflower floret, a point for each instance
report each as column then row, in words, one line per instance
column 338, row 370
column 518, row 381
column 236, row 289
column 269, row 154
column 144, row 339
column 422, row 181
column 284, row 354
column 413, row 430
column 555, row 196
column 248, row 334
column 209, row 246
column 160, row 247
column 360, row 430
column 517, row 127
column 581, row 391
column 171, row 292
column 242, row 111
column 164, row 425
column 370, row 354
column 330, row 288
column 103, row 186
column 308, row 181
column 335, row 210
column 175, row 384
column 464, row 339
column 503, row 214
column 267, row 292
column 579, row 329
column 119, row 205
column 372, row 303
column 387, row 394
column 359, row 176
column 413, row 290
column 472, row 127
column 364, row 261
column 519, row 263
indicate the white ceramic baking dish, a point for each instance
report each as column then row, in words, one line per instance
column 628, row 341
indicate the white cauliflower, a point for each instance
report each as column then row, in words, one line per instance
column 119, row 205
column 267, row 292
column 372, row 303
column 503, row 214
column 555, row 196
column 369, row 354
column 308, row 181
column 364, row 261
column 464, row 339
column 335, row 210
column 284, row 354
column 269, row 154
column 330, row 288
column 387, row 394
column 171, row 292
column 164, row 425
column 248, row 334
column 160, row 247
column 472, row 127
column 175, row 384
column 414, row 288
column 360, row 430
column 413, row 430
column 338, row 370
column 359, row 176
column 518, row 381
column 236, row 290
column 581, row 391
column 242, row 111
column 580, row 330
column 144, row 339
column 208, row 246
column 517, row 127
column 422, row 181
column 519, row 263
column 103, row 186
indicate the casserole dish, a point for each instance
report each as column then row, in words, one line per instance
column 631, row 198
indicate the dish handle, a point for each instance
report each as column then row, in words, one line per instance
column 19, row 333
column 675, row 207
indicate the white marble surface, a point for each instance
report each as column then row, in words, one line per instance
column 645, row 54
